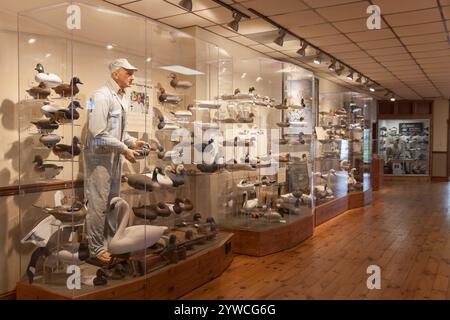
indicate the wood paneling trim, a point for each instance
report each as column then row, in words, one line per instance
column 39, row 187
column 404, row 116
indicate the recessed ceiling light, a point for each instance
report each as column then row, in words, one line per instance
column 243, row 75
column 182, row 70
column 372, row 89
column 109, row 47
column 148, row 59
column 48, row 55
column 31, row 40
column 392, row 99
column 258, row 79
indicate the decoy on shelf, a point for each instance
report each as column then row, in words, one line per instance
column 164, row 97
column 61, row 114
column 47, row 170
column 39, row 92
column 46, row 125
column 282, row 106
column 50, row 140
column 177, row 84
column 143, row 181
column 65, row 151
column 49, row 79
column 184, row 203
column 68, row 90
column 152, row 211
column 68, row 213
column 176, row 174
column 127, row 238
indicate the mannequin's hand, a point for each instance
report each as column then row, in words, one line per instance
column 139, row 143
column 130, row 155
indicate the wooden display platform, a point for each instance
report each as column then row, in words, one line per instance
column 170, row 282
column 261, row 243
column 331, row 209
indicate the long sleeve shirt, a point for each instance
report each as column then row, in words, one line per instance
column 107, row 120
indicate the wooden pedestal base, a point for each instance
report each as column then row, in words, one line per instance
column 331, row 209
column 170, row 282
column 261, row 243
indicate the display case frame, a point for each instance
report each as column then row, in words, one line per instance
column 70, row 49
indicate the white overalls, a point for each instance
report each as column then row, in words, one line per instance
column 107, row 138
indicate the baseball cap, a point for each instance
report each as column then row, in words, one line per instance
column 121, row 63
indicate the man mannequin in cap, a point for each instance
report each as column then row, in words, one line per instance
column 107, row 142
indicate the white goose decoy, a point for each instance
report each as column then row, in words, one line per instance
column 131, row 238
column 49, row 79
column 249, row 204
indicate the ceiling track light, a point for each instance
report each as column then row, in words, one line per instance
column 340, row 70
column 359, row 79
column 350, row 76
column 279, row 40
column 186, row 4
column 318, row 58
column 302, row 50
column 372, row 89
column 332, row 65
column 392, row 98
column 387, row 93
column 234, row 25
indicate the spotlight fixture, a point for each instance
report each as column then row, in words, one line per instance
column 332, row 65
column 279, row 40
column 109, row 47
column 372, row 89
column 350, row 75
column 359, row 79
column 387, row 93
column 187, row 4
column 318, row 58
column 339, row 70
column 302, row 50
column 234, row 25
column 31, row 40
column 392, row 98
column 244, row 75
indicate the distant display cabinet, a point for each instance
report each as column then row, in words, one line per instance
column 153, row 222
column 263, row 180
column 404, row 145
column 343, row 155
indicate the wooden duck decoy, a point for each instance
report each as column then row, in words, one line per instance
column 47, row 170
column 68, row 213
column 177, row 84
column 39, row 92
column 145, row 212
column 60, row 114
column 184, row 203
column 68, row 90
column 65, row 151
column 46, row 125
column 50, row 140
column 49, row 79
column 175, row 174
column 282, row 106
column 164, row 97
column 143, row 181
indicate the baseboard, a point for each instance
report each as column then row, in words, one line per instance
column 8, row 296
column 441, row 179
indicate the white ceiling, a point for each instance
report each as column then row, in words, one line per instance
column 410, row 55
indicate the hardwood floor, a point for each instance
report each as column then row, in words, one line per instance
column 406, row 232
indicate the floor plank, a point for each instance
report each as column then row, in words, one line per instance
column 406, row 232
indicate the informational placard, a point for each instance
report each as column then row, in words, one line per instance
column 411, row 128
column 297, row 176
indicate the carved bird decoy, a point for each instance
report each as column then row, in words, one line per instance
column 47, row 170
column 49, row 79
column 68, row 90
column 65, row 151
column 177, row 84
column 39, row 92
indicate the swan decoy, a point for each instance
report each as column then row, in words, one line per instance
column 49, row 79
column 50, row 140
column 68, row 90
column 39, row 92
column 249, row 204
column 65, row 151
column 48, row 171
column 47, row 125
column 177, row 84
column 131, row 238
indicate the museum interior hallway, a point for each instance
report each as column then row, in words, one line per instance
column 406, row 232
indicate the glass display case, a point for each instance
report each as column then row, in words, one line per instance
column 404, row 146
column 264, row 185
column 77, row 190
column 343, row 152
